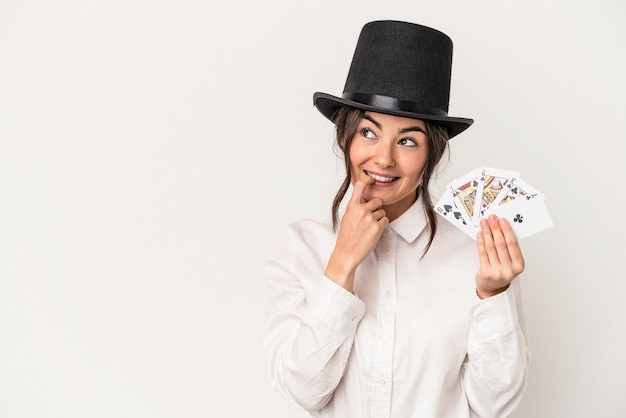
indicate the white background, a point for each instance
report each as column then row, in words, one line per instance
column 150, row 151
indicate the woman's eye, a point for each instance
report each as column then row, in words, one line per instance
column 407, row 142
column 368, row 133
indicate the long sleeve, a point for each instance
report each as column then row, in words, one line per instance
column 498, row 355
column 311, row 324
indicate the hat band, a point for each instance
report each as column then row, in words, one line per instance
column 393, row 104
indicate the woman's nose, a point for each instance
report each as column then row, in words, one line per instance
column 384, row 155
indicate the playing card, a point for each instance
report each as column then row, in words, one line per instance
column 465, row 194
column 526, row 217
column 448, row 208
column 492, row 186
column 515, row 189
column 486, row 191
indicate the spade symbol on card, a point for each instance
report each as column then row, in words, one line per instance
column 457, row 214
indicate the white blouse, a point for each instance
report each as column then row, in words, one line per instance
column 414, row 340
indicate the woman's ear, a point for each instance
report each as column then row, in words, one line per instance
column 342, row 144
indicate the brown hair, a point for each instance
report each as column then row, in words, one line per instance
column 346, row 124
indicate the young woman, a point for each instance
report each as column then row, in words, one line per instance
column 382, row 311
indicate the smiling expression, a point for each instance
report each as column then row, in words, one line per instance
column 393, row 151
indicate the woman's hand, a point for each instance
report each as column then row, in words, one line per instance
column 500, row 257
column 361, row 227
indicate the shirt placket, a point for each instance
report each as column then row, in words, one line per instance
column 385, row 326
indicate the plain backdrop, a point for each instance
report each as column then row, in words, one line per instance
column 150, row 152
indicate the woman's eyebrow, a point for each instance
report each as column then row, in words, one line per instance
column 415, row 128
column 412, row 129
column 371, row 119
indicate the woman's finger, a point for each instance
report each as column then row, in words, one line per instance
column 379, row 214
column 515, row 252
column 482, row 251
column 359, row 189
column 489, row 245
column 499, row 240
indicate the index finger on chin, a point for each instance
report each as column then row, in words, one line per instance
column 359, row 189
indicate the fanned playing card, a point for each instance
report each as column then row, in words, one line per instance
column 465, row 193
column 448, row 208
column 493, row 187
column 515, row 189
column 527, row 217
column 487, row 190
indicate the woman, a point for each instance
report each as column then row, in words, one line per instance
column 383, row 311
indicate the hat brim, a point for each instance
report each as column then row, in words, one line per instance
column 328, row 106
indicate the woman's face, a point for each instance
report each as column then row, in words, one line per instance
column 393, row 151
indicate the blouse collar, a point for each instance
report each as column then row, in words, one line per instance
column 411, row 223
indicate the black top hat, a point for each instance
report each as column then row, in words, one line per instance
column 401, row 69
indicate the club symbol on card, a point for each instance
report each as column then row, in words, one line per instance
column 518, row 218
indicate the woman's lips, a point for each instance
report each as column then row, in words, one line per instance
column 380, row 180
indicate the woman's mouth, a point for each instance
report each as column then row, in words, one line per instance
column 380, row 180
